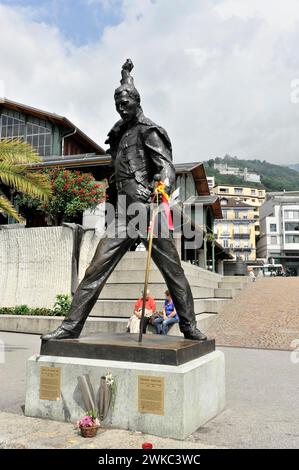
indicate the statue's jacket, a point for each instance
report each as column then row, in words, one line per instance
column 140, row 151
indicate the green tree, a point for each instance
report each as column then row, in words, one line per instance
column 15, row 174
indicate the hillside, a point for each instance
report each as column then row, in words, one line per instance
column 273, row 177
column 294, row 167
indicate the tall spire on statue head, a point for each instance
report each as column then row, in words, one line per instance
column 127, row 82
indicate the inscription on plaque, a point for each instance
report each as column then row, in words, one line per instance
column 151, row 395
column 49, row 387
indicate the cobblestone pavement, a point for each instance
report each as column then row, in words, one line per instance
column 263, row 315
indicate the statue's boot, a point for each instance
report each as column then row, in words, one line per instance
column 194, row 334
column 60, row 333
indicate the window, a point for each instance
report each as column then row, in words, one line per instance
column 292, row 226
column 260, row 193
column 12, row 128
column 292, row 238
column 223, row 190
column 225, row 229
column 225, row 243
column 224, row 202
column 273, row 240
column 273, row 228
column 291, row 214
column 40, row 138
column 253, row 192
column 237, row 214
column 224, row 213
column 238, row 190
column 236, row 229
column 245, row 229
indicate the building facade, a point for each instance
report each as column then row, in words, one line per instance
column 56, row 139
column 236, row 230
column 48, row 133
column 224, row 169
column 253, row 197
column 279, row 237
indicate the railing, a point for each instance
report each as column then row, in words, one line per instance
column 242, row 236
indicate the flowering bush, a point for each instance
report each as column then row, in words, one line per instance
column 72, row 193
column 90, row 419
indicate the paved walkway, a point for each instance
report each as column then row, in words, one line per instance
column 264, row 315
column 262, row 395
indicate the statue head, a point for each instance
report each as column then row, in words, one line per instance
column 127, row 98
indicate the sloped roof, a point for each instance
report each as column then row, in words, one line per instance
column 232, row 202
column 55, row 119
column 211, row 200
column 199, row 174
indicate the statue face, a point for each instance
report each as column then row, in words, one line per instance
column 126, row 106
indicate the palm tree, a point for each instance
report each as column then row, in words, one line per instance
column 16, row 157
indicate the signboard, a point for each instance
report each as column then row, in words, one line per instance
column 49, row 387
column 151, row 395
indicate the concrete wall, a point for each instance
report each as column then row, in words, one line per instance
column 36, row 265
column 89, row 243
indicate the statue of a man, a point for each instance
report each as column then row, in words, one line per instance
column 139, row 149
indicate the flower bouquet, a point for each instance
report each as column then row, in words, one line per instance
column 89, row 424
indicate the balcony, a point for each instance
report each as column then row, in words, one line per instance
column 243, row 249
column 242, row 236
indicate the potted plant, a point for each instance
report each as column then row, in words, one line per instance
column 89, row 424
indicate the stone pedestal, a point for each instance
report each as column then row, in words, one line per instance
column 192, row 392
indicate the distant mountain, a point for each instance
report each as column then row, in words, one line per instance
column 273, row 177
column 294, row 167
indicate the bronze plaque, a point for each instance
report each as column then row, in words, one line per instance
column 151, row 395
column 49, row 386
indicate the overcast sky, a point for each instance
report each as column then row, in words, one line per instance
column 216, row 74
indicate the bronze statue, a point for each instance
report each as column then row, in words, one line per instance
column 140, row 149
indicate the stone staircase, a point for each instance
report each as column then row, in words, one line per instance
column 111, row 313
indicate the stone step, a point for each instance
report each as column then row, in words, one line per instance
column 242, row 279
column 43, row 324
column 135, row 256
column 124, row 308
column 231, row 285
column 128, row 291
column 131, row 264
column 134, row 276
column 225, row 293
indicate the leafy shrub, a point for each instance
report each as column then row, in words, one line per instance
column 7, row 311
column 62, row 304
column 61, row 308
column 22, row 310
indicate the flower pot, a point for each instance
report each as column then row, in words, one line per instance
column 105, row 398
column 89, row 431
